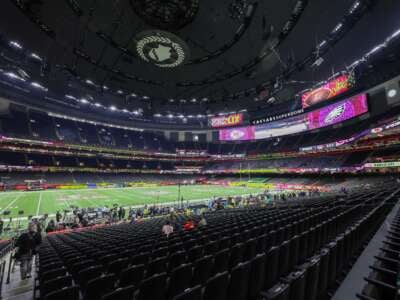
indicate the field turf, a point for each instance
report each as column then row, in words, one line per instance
column 48, row 202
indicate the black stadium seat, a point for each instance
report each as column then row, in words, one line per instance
column 239, row 282
column 125, row 293
column 217, row 287
column 194, row 293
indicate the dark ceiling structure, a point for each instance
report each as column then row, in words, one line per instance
column 193, row 56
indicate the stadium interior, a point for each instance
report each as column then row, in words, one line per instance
column 199, row 150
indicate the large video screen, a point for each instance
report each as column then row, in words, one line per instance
column 280, row 128
column 237, row 134
column 329, row 115
column 328, row 91
column 338, row 112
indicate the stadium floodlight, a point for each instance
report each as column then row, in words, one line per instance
column 14, row 76
column 39, row 86
column 15, row 44
column 35, row 56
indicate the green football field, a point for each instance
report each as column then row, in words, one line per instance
column 48, row 202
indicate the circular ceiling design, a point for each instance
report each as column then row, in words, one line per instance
column 166, row 14
column 162, row 49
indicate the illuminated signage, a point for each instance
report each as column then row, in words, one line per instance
column 327, row 116
column 327, row 91
column 237, row 134
column 226, row 121
column 388, row 164
column 338, row 112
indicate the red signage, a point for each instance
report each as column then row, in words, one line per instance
column 226, row 121
column 327, row 91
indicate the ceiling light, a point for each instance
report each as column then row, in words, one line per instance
column 97, row 104
column 84, row 101
column 194, row 100
column 125, row 110
column 35, row 56
column 113, row 108
column 157, row 115
column 396, row 33
column 171, row 100
column 338, row 27
column 70, row 97
column 145, row 97
column 105, row 87
column 120, row 92
column 354, row 7
column 88, row 81
column 135, row 112
column 170, row 116
column 14, row 76
column 392, row 93
column 15, row 44
column 39, row 86
column 133, row 95
column 181, row 116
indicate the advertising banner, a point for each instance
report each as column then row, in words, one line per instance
column 388, row 164
column 338, row 112
column 328, row 91
column 280, row 128
column 227, row 121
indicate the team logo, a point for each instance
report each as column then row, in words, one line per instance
column 161, row 48
column 335, row 114
column 237, row 134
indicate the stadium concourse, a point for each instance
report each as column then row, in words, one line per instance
column 199, row 150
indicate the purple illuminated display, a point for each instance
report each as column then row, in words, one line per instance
column 237, row 134
column 338, row 112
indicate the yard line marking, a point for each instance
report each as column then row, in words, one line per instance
column 38, row 207
column 11, row 203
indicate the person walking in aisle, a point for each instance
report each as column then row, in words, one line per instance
column 26, row 245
